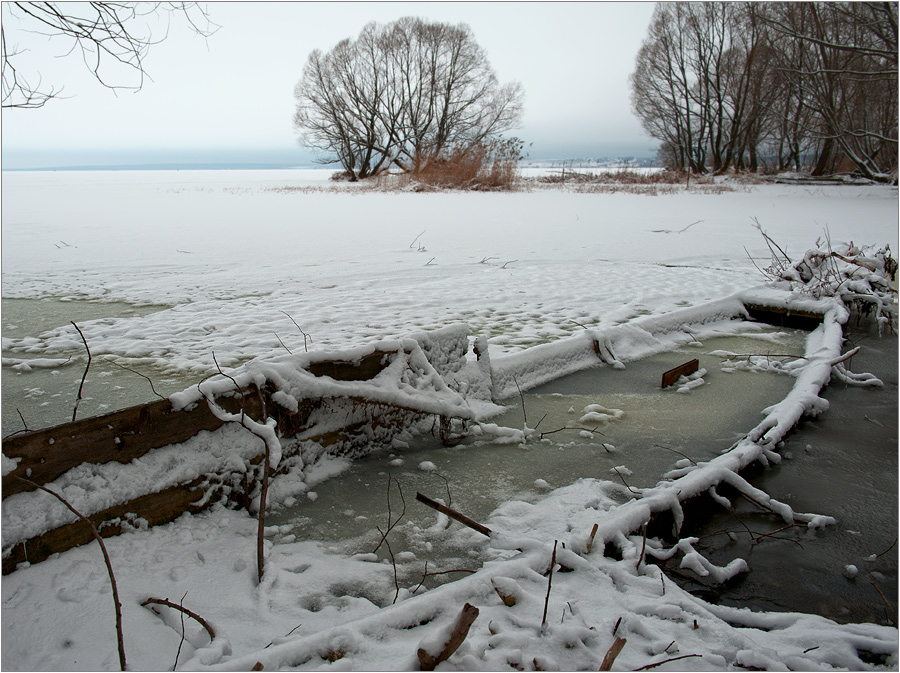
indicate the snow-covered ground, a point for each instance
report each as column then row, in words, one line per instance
column 232, row 252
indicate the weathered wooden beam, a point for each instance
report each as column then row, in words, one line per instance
column 784, row 317
column 166, row 505
column 671, row 376
column 119, row 436
column 364, row 369
column 130, row 433
column 156, row 508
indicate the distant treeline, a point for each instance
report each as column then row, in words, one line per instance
column 778, row 86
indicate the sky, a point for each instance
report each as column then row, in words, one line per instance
column 229, row 98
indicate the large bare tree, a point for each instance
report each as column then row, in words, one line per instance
column 401, row 94
column 112, row 38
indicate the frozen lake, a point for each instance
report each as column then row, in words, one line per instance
column 162, row 269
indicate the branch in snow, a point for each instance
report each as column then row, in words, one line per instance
column 120, row 638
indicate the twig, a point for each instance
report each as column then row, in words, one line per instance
column 616, row 627
column 284, row 636
column 135, row 372
column 23, row 420
column 180, row 642
column 391, row 524
column 509, row 262
column 425, row 574
column 522, row 398
column 549, row 583
column 305, row 335
column 189, row 613
column 616, row 470
column 884, row 598
column 393, row 563
column 660, row 446
column 888, row 549
column 767, row 275
column 660, row 663
column 112, row 578
column 593, row 431
column 417, row 238
column 282, row 343
column 237, row 386
column 637, row 566
column 447, row 486
column 764, row 355
column 792, row 525
column 769, row 240
column 263, row 495
column 83, row 376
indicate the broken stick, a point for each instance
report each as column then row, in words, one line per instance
column 612, row 653
column 453, row 514
column 428, row 661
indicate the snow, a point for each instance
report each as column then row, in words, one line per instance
column 230, row 253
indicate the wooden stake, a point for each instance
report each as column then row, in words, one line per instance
column 590, row 543
column 460, row 631
column 612, row 653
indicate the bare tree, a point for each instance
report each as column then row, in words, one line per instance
column 401, row 94
column 109, row 36
column 848, row 77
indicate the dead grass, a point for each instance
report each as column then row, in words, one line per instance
column 484, row 168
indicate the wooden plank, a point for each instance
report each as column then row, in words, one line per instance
column 364, row 369
column 119, row 436
column 130, row 433
column 671, row 376
column 157, row 508
column 783, row 317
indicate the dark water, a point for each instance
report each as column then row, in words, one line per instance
column 842, row 463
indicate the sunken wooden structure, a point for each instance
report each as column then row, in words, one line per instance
column 125, row 435
column 122, row 436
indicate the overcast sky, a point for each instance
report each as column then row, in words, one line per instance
column 230, row 97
